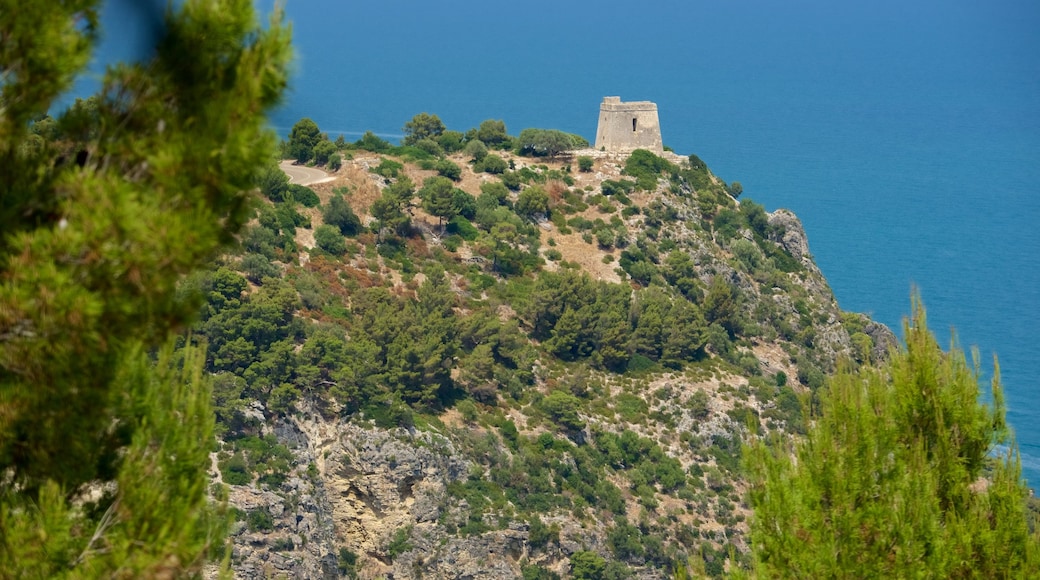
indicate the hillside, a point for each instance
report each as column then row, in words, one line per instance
column 440, row 368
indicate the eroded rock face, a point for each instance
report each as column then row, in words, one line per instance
column 354, row 488
column 791, row 236
column 299, row 541
column 364, row 488
column 884, row 339
column 382, row 481
column 489, row 556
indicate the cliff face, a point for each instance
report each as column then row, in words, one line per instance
column 558, row 461
column 351, row 488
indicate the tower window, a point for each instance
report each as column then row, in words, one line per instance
column 633, row 124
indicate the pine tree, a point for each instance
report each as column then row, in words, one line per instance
column 904, row 474
column 438, row 195
column 104, row 430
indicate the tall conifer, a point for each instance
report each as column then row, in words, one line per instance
column 104, row 432
column 905, row 474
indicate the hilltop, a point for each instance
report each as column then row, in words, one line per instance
column 485, row 364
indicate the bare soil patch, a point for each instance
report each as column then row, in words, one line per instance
column 590, row 257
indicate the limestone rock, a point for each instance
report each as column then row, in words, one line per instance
column 791, row 235
column 883, row 337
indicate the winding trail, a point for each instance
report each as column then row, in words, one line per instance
column 303, row 175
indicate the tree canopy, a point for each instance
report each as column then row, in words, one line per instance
column 904, row 474
column 104, row 433
column 438, row 195
column 422, row 126
column 303, row 138
column 492, row 132
column 550, row 142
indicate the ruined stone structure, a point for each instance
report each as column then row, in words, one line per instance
column 628, row 126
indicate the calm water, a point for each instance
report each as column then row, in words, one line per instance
column 906, row 135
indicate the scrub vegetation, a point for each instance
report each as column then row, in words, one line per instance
column 625, row 370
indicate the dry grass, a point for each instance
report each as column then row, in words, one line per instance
column 588, row 256
column 365, row 187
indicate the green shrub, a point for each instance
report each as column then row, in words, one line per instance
column 260, row 520
column 451, row 141
column 539, row 535
column 494, row 190
column 339, row 213
column 580, row 223
column 632, row 408
column 452, row 242
column 698, row 405
column 511, row 179
column 728, row 222
column 448, row 168
column 371, row 142
column 494, row 164
column 587, row 565
column 621, row 186
column 468, row 410
column 304, row 195
column 347, row 563
column 283, row 545
column 235, row 470
column 330, row 240
column 388, row 168
column 727, row 452
column 551, row 142
column 584, row 163
column 422, row 126
column 647, row 167
column 476, row 150
column 256, row 267
column 430, row 146
column 532, row 201
column 464, row 203
column 415, row 154
column 492, row 132
column 562, row 407
column 463, row 228
column 399, row 544
column 322, row 151
column 624, row 540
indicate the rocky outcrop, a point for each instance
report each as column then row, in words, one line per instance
column 356, row 490
column 384, row 481
column 299, row 539
column 379, row 497
column 883, row 338
column 789, row 233
column 823, row 329
column 489, row 556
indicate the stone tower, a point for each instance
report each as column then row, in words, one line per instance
column 628, row 126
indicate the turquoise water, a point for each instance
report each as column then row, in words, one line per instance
column 906, row 135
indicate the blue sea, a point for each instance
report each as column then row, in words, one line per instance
column 904, row 133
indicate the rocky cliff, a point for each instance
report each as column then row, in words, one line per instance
column 539, row 457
